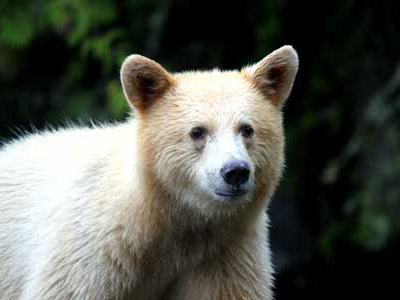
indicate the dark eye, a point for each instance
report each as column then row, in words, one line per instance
column 198, row 133
column 247, row 131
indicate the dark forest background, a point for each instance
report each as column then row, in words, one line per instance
column 335, row 221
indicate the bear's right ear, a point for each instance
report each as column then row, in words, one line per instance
column 144, row 81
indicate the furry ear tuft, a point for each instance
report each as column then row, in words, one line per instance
column 143, row 81
column 274, row 75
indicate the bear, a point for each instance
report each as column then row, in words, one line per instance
column 170, row 204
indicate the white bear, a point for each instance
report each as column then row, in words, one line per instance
column 168, row 205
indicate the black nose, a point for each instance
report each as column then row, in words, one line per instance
column 235, row 172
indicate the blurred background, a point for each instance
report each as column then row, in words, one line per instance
column 335, row 220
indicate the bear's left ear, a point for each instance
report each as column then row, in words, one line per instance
column 274, row 75
column 144, row 81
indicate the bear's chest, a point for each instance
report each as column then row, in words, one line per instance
column 169, row 259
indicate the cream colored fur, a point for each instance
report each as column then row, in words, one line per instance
column 128, row 211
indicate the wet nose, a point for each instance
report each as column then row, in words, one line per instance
column 235, row 172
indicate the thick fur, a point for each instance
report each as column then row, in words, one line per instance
column 128, row 211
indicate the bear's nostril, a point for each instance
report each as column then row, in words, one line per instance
column 235, row 172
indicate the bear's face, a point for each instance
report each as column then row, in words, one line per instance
column 213, row 139
column 211, row 135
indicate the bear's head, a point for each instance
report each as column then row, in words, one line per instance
column 212, row 140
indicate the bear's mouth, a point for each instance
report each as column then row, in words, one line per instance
column 235, row 192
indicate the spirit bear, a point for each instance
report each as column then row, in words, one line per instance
column 169, row 205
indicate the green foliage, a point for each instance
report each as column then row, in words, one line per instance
column 89, row 33
column 16, row 29
column 116, row 103
column 80, row 18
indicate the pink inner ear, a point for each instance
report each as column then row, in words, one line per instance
column 151, row 84
column 275, row 74
column 146, row 85
column 270, row 79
